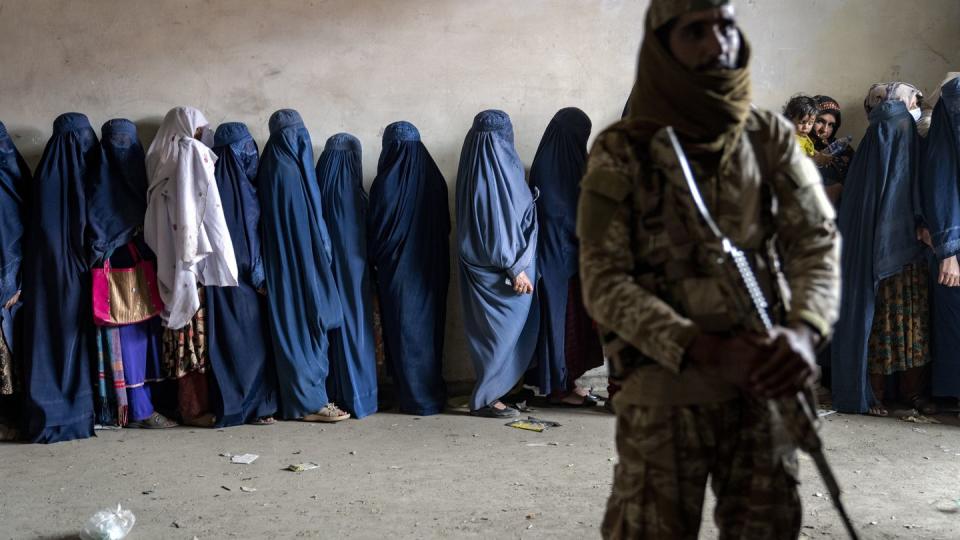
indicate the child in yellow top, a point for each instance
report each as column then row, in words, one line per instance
column 802, row 111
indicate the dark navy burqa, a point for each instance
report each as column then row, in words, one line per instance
column 57, row 319
column 877, row 220
column 118, row 196
column 409, row 231
column 241, row 355
column 940, row 181
column 352, row 383
column 14, row 183
column 116, row 204
column 302, row 297
column 556, row 172
column 497, row 236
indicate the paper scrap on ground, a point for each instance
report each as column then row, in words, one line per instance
column 244, row 459
column 533, row 424
column 301, row 467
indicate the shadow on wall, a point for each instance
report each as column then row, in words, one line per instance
column 29, row 141
column 147, row 129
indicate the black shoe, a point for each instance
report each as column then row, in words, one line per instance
column 493, row 412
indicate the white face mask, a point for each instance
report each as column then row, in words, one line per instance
column 915, row 113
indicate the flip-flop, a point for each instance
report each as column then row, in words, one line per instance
column 154, row 421
column 264, row 421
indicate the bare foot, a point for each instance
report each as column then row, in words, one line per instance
column 877, row 410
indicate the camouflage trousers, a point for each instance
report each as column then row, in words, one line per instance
column 667, row 454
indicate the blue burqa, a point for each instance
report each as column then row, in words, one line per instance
column 410, row 249
column 497, row 235
column 556, row 172
column 57, row 314
column 302, row 297
column 352, row 383
column 940, row 181
column 241, row 356
column 118, row 195
column 878, row 219
column 14, row 183
column 116, row 204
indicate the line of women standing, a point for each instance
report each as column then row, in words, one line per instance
column 270, row 271
column 899, row 215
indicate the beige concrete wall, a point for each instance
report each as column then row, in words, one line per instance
column 357, row 65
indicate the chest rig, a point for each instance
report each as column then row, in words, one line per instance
column 679, row 260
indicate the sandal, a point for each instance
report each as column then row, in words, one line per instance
column 586, row 401
column 493, row 412
column 330, row 413
column 263, row 421
column 154, row 421
column 924, row 406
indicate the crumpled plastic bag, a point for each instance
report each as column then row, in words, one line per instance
column 108, row 525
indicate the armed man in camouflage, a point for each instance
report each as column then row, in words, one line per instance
column 694, row 370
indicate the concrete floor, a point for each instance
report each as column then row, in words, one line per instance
column 447, row 476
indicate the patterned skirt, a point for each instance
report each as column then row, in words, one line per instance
column 185, row 350
column 9, row 383
column 900, row 337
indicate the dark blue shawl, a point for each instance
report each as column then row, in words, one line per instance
column 878, row 219
column 410, row 249
column 353, row 360
column 302, row 295
column 57, row 320
column 940, row 181
column 497, row 236
column 14, row 183
column 556, row 172
column 240, row 350
column 118, row 197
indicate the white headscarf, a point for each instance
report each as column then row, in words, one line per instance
column 184, row 224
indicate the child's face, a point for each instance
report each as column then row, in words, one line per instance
column 805, row 124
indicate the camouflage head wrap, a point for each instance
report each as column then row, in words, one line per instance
column 663, row 11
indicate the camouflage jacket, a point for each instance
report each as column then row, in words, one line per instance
column 654, row 276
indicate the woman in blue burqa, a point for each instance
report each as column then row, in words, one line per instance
column 497, row 235
column 244, row 383
column 128, row 356
column 352, row 382
column 410, row 250
column 14, row 183
column 302, row 297
column 55, row 345
column 568, row 344
column 941, row 202
column 883, row 327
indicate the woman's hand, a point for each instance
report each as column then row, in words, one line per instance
column 923, row 235
column 13, row 300
column 522, row 285
column 949, row 272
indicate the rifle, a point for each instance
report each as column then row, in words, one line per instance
column 795, row 415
